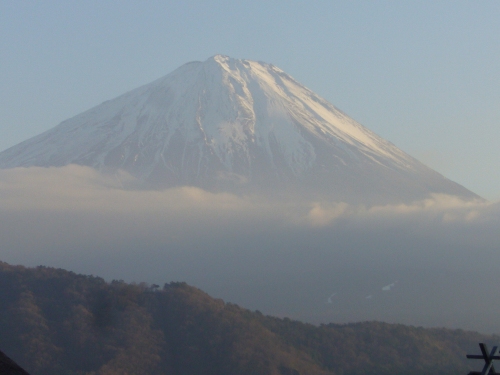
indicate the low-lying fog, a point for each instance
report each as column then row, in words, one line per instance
column 431, row 263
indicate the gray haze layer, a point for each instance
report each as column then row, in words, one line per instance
column 433, row 262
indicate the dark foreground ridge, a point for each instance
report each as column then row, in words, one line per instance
column 56, row 322
column 9, row 367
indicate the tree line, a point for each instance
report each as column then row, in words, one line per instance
column 57, row 322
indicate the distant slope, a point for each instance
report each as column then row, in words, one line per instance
column 56, row 322
column 237, row 125
column 9, row 367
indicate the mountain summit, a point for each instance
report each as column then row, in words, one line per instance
column 239, row 126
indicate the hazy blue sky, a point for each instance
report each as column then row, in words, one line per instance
column 422, row 74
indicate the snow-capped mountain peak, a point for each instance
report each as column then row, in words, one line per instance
column 241, row 121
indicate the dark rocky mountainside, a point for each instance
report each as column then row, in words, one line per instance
column 56, row 322
column 9, row 367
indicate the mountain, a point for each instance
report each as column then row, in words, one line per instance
column 239, row 126
column 60, row 323
column 9, row 367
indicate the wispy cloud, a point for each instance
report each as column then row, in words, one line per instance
column 78, row 188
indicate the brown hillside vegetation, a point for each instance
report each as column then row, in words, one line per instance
column 56, row 322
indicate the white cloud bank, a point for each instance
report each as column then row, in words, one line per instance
column 82, row 189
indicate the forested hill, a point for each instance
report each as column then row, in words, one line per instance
column 56, row 322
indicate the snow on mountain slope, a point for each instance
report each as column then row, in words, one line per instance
column 236, row 125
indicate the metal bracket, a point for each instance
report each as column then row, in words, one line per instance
column 488, row 368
